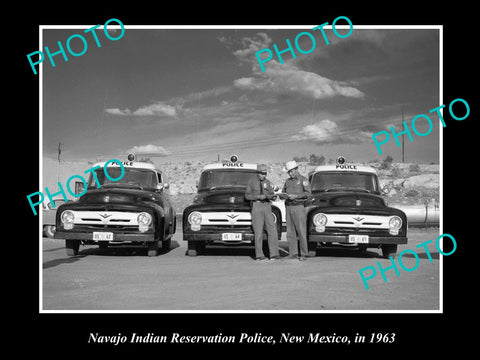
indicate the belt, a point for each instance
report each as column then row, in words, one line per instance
column 293, row 203
column 261, row 201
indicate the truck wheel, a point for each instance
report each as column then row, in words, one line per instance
column 174, row 221
column 153, row 248
column 72, row 247
column 49, row 231
column 312, row 249
column 389, row 250
column 362, row 248
column 166, row 244
column 192, row 248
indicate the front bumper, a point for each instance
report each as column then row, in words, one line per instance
column 343, row 239
column 75, row 235
column 217, row 236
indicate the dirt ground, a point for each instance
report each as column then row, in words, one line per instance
column 229, row 279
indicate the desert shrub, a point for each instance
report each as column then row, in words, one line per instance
column 414, row 168
column 396, row 172
column 412, row 193
column 317, row 160
column 300, row 158
column 386, row 163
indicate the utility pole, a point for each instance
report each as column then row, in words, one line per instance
column 403, row 140
column 59, row 151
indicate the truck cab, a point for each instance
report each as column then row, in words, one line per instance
column 347, row 208
column 134, row 210
column 220, row 214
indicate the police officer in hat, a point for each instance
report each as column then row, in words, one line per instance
column 297, row 189
column 260, row 192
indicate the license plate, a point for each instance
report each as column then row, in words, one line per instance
column 231, row 236
column 102, row 236
column 358, row 239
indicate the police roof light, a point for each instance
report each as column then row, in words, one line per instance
column 341, row 160
column 234, row 158
column 131, row 157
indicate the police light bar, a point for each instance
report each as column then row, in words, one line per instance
column 232, row 162
column 131, row 157
column 342, row 164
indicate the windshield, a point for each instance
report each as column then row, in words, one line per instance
column 133, row 178
column 331, row 181
column 212, row 179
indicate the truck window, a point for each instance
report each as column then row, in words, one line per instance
column 224, row 178
column 344, row 180
column 133, row 177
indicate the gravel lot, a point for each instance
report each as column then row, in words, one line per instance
column 229, row 279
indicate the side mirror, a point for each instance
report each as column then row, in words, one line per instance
column 166, row 186
column 160, row 186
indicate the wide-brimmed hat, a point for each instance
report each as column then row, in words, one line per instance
column 290, row 166
column 261, row 168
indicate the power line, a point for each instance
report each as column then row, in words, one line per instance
column 283, row 138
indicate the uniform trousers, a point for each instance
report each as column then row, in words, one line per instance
column 296, row 227
column 262, row 218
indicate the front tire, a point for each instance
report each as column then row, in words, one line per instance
column 49, row 231
column 193, row 248
column 153, row 248
column 389, row 250
column 167, row 244
column 72, row 247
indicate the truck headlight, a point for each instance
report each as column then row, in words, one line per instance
column 395, row 223
column 67, row 217
column 320, row 220
column 195, row 219
column 144, row 220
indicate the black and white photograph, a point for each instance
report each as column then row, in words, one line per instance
column 191, row 116
column 300, row 172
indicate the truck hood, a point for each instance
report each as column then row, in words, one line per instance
column 228, row 196
column 346, row 199
column 117, row 195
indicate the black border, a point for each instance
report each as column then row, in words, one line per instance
column 432, row 333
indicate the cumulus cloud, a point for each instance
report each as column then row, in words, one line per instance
column 149, row 149
column 328, row 132
column 290, row 78
column 157, row 109
column 117, row 111
column 251, row 45
column 286, row 77
column 324, row 131
column 252, row 83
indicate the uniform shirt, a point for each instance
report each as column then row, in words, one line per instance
column 299, row 185
column 254, row 190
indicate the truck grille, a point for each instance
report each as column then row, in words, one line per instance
column 105, row 219
column 351, row 230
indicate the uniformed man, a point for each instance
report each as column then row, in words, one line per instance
column 297, row 189
column 260, row 192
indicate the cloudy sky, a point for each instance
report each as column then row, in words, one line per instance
column 196, row 93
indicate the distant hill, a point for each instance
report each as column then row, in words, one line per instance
column 407, row 183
